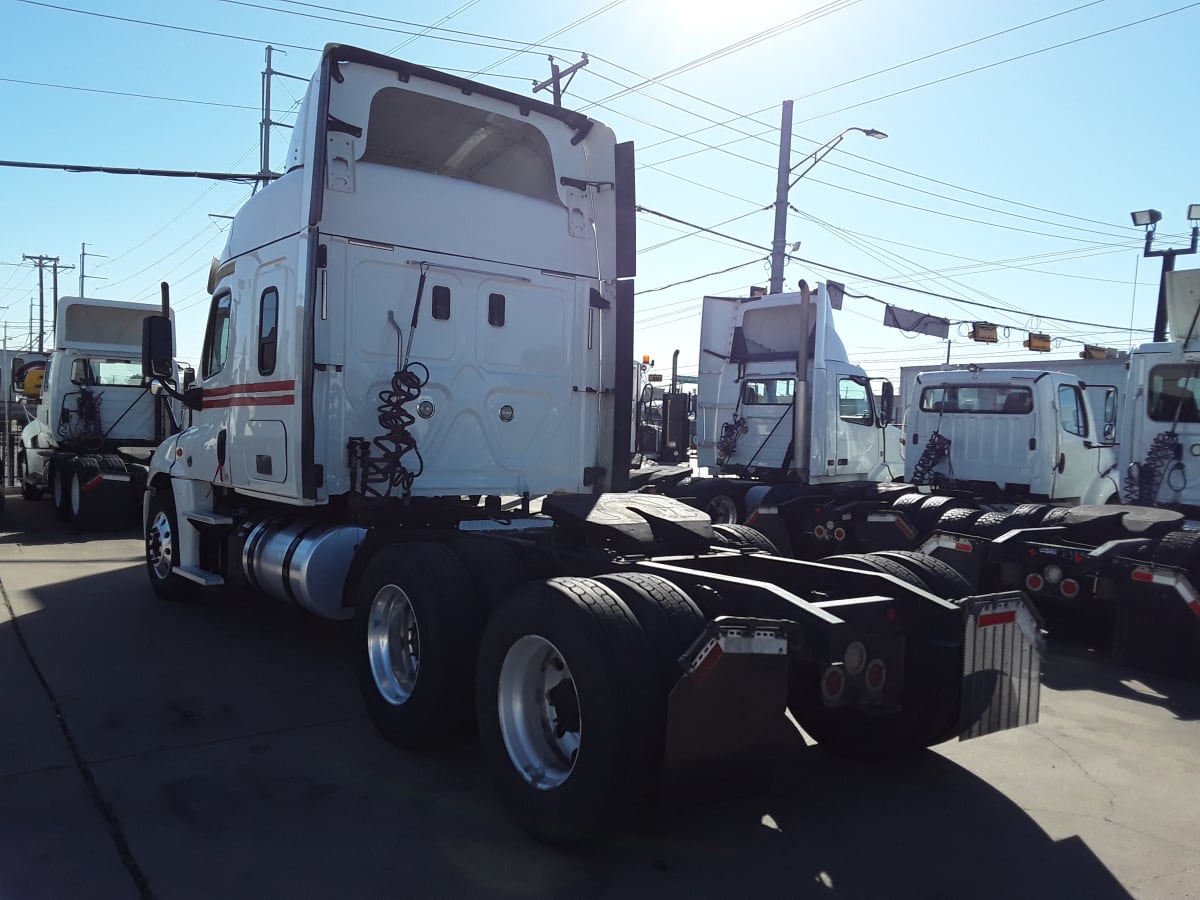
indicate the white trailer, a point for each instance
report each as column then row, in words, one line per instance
column 419, row 329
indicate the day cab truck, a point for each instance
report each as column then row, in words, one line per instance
column 1135, row 559
column 413, row 412
column 97, row 420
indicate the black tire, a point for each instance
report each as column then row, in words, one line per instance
column 58, row 474
column 588, row 760
column 1055, row 515
column 991, row 525
column 743, row 537
column 939, row 578
column 958, row 521
column 725, row 504
column 1154, row 629
column 161, row 540
column 492, row 565
column 84, row 509
column 910, row 501
column 926, row 517
column 875, row 562
column 1032, row 513
column 417, row 624
column 668, row 616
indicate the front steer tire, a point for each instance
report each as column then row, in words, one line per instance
column 162, row 548
column 416, row 625
column 570, row 724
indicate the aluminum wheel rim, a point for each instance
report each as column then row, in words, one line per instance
column 539, row 712
column 393, row 644
column 160, row 546
column 722, row 510
column 76, row 494
column 56, row 488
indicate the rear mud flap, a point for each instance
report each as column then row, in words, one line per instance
column 1003, row 648
column 730, row 702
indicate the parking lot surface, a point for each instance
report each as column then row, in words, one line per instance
column 220, row 749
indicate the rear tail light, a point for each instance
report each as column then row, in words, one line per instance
column 1034, row 581
column 819, row 533
column 833, row 683
column 1069, row 588
column 839, row 534
column 876, row 674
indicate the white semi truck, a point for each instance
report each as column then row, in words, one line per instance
column 1014, row 435
column 97, row 420
column 431, row 313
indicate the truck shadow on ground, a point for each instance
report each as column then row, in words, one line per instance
column 230, row 743
column 1080, row 658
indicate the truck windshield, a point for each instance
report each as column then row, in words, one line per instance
column 1173, row 393
column 989, row 399
column 91, row 372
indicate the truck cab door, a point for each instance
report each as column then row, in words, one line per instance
column 1074, row 469
column 854, row 437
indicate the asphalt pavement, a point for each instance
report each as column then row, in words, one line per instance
column 219, row 750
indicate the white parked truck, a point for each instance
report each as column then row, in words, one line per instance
column 420, row 329
column 1160, row 430
column 1014, row 435
column 97, row 420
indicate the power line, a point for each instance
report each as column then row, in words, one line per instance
column 875, row 280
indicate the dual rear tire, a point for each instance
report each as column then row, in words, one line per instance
column 566, row 683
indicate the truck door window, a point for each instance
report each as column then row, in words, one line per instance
column 854, row 402
column 268, row 321
column 216, row 337
column 1070, row 410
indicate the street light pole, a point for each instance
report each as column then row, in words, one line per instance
column 781, row 195
column 1149, row 218
column 783, row 186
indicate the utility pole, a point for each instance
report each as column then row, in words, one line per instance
column 554, row 82
column 781, row 202
column 83, row 255
column 264, row 127
column 42, row 262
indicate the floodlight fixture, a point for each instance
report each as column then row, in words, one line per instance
column 1146, row 217
column 1193, row 212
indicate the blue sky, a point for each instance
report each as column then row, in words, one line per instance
column 1021, row 135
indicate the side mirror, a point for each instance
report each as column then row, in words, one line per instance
column 887, row 403
column 648, row 393
column 158, row 348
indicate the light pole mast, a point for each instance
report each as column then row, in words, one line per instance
column 781, row 195
column 783, row 186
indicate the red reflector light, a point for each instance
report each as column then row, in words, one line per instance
column 997, row 618
column 839, row 534
column 1032, row 551
column 963, row 547
column 1142, row 575
column 1070, row 587
column 99, row 479
column 876, row 674
column 1034, row 581
column 833, row 683
column 1077, row 559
